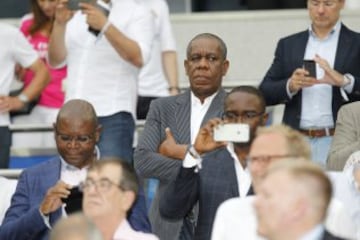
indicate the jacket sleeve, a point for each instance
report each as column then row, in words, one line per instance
column 22, row 221
column 181, row 195
column 148, row 162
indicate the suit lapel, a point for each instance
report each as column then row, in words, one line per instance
column 216, row 107
column 54, row 176
column 343, row 48
column 182, row 117
column 229, row 170
column 299, row 49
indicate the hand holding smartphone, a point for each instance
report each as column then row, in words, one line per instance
column 310, row 66
column 73, row 201
column 232, row 132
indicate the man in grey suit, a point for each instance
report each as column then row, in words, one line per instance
column 214, row 171
column 346, row 139
column 184, row 114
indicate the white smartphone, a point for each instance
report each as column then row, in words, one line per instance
column 232, row 132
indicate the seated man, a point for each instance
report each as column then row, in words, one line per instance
column 75, row 227
column 285, row 143
column 110, row 190
column 36, row 204
column 221, row 173
column 296, row 208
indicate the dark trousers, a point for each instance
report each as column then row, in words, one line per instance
column 5, row 143
column 143, row 105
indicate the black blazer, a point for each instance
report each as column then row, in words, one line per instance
column 329, row 236
column 215, row 183
column 289, row 55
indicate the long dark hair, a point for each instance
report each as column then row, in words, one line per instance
column 40, row 19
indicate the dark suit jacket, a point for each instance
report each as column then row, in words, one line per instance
column 215, row 183
column 329, row 236
column 173, row 112
column 23, row 219
column 289, row 55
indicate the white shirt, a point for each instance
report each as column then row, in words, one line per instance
column 236, row 217
column 314, row 234
column 14, row 48
column 7, row 189
column 96, row 72
column 316, row 107
column 198, row 111
column 152, row 79
column 125, row 232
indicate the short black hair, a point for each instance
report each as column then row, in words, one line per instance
column 251, row 90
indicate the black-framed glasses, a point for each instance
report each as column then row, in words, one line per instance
column 238, row 117
column 102, row 185
column 265, row 159
column 80, row 139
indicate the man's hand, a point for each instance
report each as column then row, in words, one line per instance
column 8, row 104
column 331, row 76
column 170, row 148
column 205, row 140
column 299, row 80
column 62, row 13
column 94, row 16
column 52, row 200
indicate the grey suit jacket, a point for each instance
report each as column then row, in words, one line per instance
column 173, row 112
column 346, row 139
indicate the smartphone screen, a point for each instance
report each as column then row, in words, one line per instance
column 310, row 66
column 73, row 201
column 74, row 4
column 232, row 132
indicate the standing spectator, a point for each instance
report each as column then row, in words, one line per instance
column 110, row 190
column 159, row 77
column 15, row 49
column 103, row 55
column 37, row 26
column 312, row 103
column 184, row 114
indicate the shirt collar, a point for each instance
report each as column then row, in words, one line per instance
column 333, row 32
column 69, row 167
column 315, row 234
column 196, row 101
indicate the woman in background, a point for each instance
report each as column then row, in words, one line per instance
column 36, row 26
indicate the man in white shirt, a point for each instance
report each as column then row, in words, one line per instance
column 236, row 217
column 292, row 202
column 15, row 49
column 110, row 189
column 159, row 77
column 212, row 171
column 312, row 102
column 103, row 63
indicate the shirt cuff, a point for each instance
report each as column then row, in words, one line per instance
column 349, row 87
column 189, row 161
column 290, row 95
column 46, row 219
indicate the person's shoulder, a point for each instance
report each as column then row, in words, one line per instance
column 26, row 22
column 41, row 167
column 234, row 203
column 169, row 100
column 294, row 36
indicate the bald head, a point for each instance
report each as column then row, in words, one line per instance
column 78, row 109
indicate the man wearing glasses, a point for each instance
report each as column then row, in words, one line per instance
column 236, row 217
column 221, row 173
column 110, row 189
column 38, row 200
column 312, row 102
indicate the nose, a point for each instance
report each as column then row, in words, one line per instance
column 203, row 62
column 73, row 143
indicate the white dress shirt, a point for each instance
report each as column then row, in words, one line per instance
column 96, row 72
